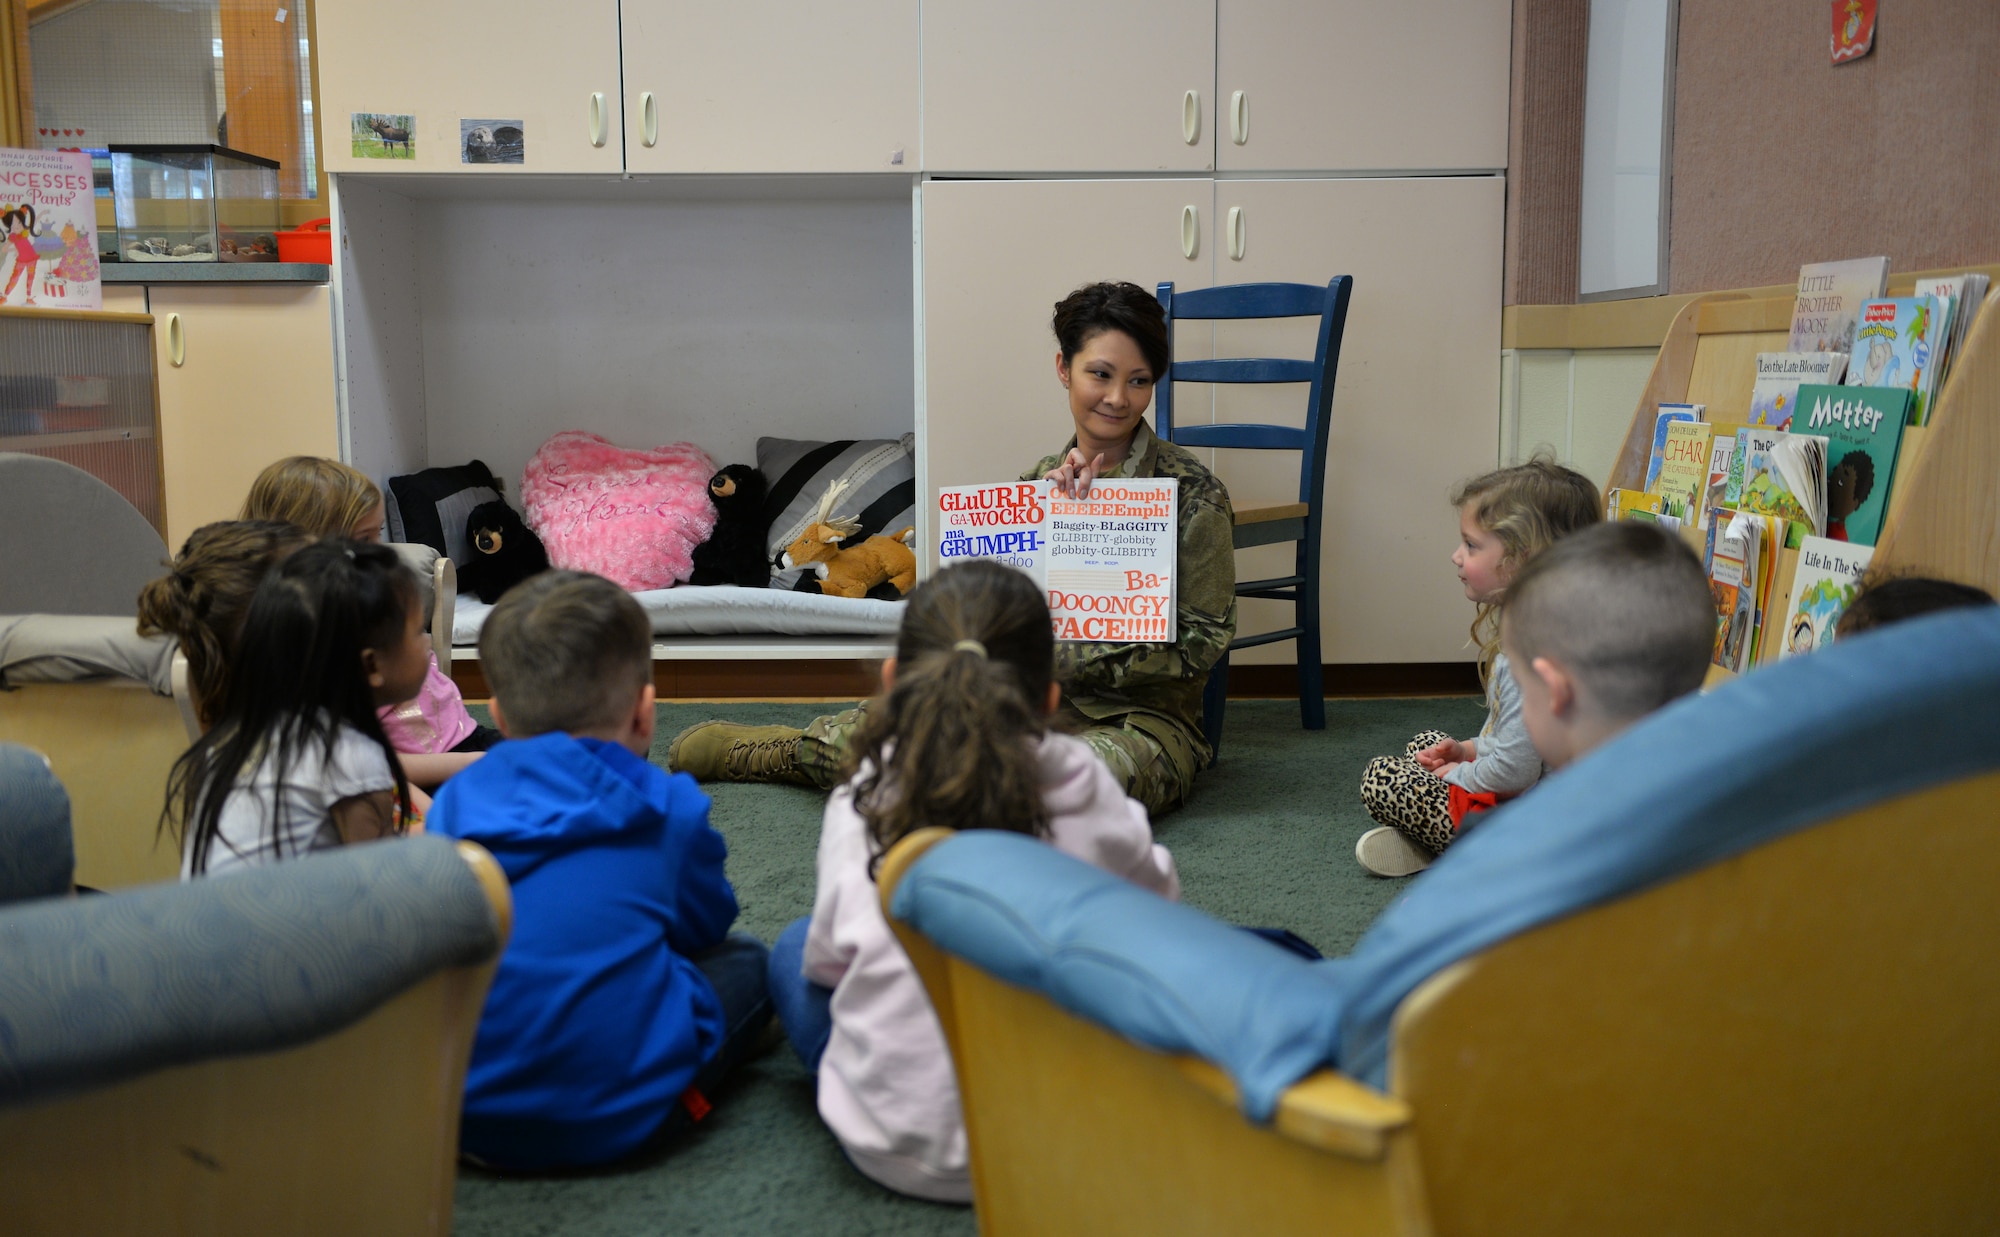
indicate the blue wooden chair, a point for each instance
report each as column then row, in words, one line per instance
column 1297, row 522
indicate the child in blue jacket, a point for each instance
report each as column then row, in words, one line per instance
column 622, row 997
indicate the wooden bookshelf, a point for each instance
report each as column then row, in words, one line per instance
column 1944, row 512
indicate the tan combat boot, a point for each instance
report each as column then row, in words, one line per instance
column 730, row 752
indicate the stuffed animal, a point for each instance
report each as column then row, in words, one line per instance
column 504, row 551
column 855, row 570
column 734, row 552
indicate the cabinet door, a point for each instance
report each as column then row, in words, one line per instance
column 1415, row 406
column 997, row 256
column 1069, row 85
column 552, row 71
column 770, row 86
column 253, row 384
column 1348, row 85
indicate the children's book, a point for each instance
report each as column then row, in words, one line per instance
column 1828, row 578
column 1864, row 435
column 1967, row 293
column 48, row 208
column 1733, row 581
column 1722, row 448
column 1777, row 383
column 1829, row 301
column 1683, row 476
column 1771, row 537
column 1784, row 475
column 1669, row 413
column 1895, row 344
column 1631, row 504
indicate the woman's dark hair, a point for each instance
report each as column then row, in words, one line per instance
column 1892, row 599
column 296, row 680
column 1095, row 308
column 201, row 602
column 952, row 743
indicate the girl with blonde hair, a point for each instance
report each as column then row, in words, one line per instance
column 1422, row 799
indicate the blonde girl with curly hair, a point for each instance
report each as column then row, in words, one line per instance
column 1422, row 799
column 433, row 734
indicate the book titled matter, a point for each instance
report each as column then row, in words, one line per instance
column 1863, row 428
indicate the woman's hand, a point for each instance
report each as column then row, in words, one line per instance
column 1074, row 475
column 1442, row 753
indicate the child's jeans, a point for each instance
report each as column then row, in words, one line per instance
column 735, row 969
column 802, row 1005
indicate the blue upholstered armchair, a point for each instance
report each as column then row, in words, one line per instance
column 278, row 1051
column 1732, row 972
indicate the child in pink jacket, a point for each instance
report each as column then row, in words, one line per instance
column 960, row 738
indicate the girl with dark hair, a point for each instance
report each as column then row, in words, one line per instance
column 201, row 602
column 960, row 737
column 1138, row 706
column 296, row 760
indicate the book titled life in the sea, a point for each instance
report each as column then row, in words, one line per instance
column 1829, row 576
column 1863, row 427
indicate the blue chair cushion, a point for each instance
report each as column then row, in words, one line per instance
column 97, row 990
column 1874, row 717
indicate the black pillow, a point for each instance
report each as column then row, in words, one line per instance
column 430, row 507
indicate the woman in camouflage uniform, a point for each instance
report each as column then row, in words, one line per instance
column 1137, row 705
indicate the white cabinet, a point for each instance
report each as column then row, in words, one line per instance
column 770, row 86
column 1069, row 85
column 1347, row 85
column 997, row 255
column 1414, row 404
column 552, row 70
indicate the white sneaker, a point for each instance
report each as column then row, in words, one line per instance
column 1386, row 852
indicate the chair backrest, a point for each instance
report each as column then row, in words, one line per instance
column 1797, row 1040
column 1250, row 301
column 281, row 1050
column 70, row 544
column 108, row 709
column 36, row 856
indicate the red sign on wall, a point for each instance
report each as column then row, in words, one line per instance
column 1853, row 29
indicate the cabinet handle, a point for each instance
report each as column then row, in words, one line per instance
column 1190, row 231
column 598, row 136
column 1239, row 118
column 177, row 344
column 1236, row 233
column 1191, row 116
column 649, row 119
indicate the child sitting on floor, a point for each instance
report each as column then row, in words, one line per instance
column 959, row 738
column 1891, row 599
column 296, row 760
column 622, row 999
column 201, row 602
column 1421, row 799
column 432, row 732
column 1602, row 628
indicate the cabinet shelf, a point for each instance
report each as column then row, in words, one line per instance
column 74, row 438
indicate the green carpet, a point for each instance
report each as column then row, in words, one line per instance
column 1268, row 841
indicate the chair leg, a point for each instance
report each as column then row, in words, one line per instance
column 1312, row 689
column 1213, row 697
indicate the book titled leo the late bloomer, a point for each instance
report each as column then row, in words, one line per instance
column 48, row 207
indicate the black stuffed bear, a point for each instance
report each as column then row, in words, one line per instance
column 504, row 552
column 735, row 552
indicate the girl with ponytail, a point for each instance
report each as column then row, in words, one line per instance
column 202, row 601
column 961, row 738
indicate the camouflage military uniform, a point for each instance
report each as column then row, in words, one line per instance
column 1137, row 705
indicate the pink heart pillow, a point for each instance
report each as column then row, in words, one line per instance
column 633, row 517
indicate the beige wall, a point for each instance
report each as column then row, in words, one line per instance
column 1781, row 158
column 1574, row 404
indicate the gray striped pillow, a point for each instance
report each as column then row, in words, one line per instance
column 881, row 476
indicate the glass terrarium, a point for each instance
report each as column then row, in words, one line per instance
column 194, row 204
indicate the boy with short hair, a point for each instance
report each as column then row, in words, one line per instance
column 1602, row 628
column 621, row 998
